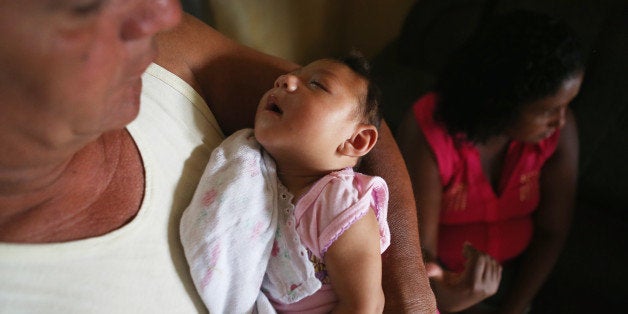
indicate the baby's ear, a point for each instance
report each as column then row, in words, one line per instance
column 362, row 141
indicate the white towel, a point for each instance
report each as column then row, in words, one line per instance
column 228, row 230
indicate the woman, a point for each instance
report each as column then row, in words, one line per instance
column 492, row 153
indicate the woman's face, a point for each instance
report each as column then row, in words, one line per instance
column 71, row 68
column 541, row 118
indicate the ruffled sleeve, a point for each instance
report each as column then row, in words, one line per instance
column 334, row 203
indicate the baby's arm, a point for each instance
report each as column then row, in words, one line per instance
column 354, row 266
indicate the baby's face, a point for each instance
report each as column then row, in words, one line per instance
column 310, row 112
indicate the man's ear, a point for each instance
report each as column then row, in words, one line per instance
column 362, row 141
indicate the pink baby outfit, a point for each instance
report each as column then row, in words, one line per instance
column 247, row 244
column 329, row 208
column 497, row 222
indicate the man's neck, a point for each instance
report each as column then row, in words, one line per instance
column 29, row 164
column 29, row 179
column 62, row 196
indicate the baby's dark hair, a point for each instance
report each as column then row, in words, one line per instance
column 514, row 59
column 369, row 105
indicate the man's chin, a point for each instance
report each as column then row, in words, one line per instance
column 129, row 107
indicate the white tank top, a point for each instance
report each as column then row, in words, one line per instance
column 139, row 268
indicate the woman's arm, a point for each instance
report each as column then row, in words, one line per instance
column 482, row 274
column 405, row 281
column 552, row 219
column 354, row 266
column 426, row 185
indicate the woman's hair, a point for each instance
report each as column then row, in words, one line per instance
column 369, row 107
column 512, row 60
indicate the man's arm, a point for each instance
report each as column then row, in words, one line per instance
column 405, row 282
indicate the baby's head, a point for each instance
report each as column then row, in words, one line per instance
column 321, row 117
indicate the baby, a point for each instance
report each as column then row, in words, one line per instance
column 294, row 218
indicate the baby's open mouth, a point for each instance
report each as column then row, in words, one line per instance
column 275, row 108
column 272, row 105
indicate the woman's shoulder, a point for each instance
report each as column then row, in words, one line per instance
column 424, row 106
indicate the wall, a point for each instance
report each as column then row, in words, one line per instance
column 302, row 30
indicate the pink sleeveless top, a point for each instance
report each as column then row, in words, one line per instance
column 497, row 222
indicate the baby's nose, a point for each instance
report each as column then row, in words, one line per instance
column 287, row 81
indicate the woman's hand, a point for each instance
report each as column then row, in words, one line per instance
column 478, row 281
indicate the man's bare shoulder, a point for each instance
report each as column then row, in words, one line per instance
column 189, row 46
column 201, row 55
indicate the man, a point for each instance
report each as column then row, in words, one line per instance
column 92, row 184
